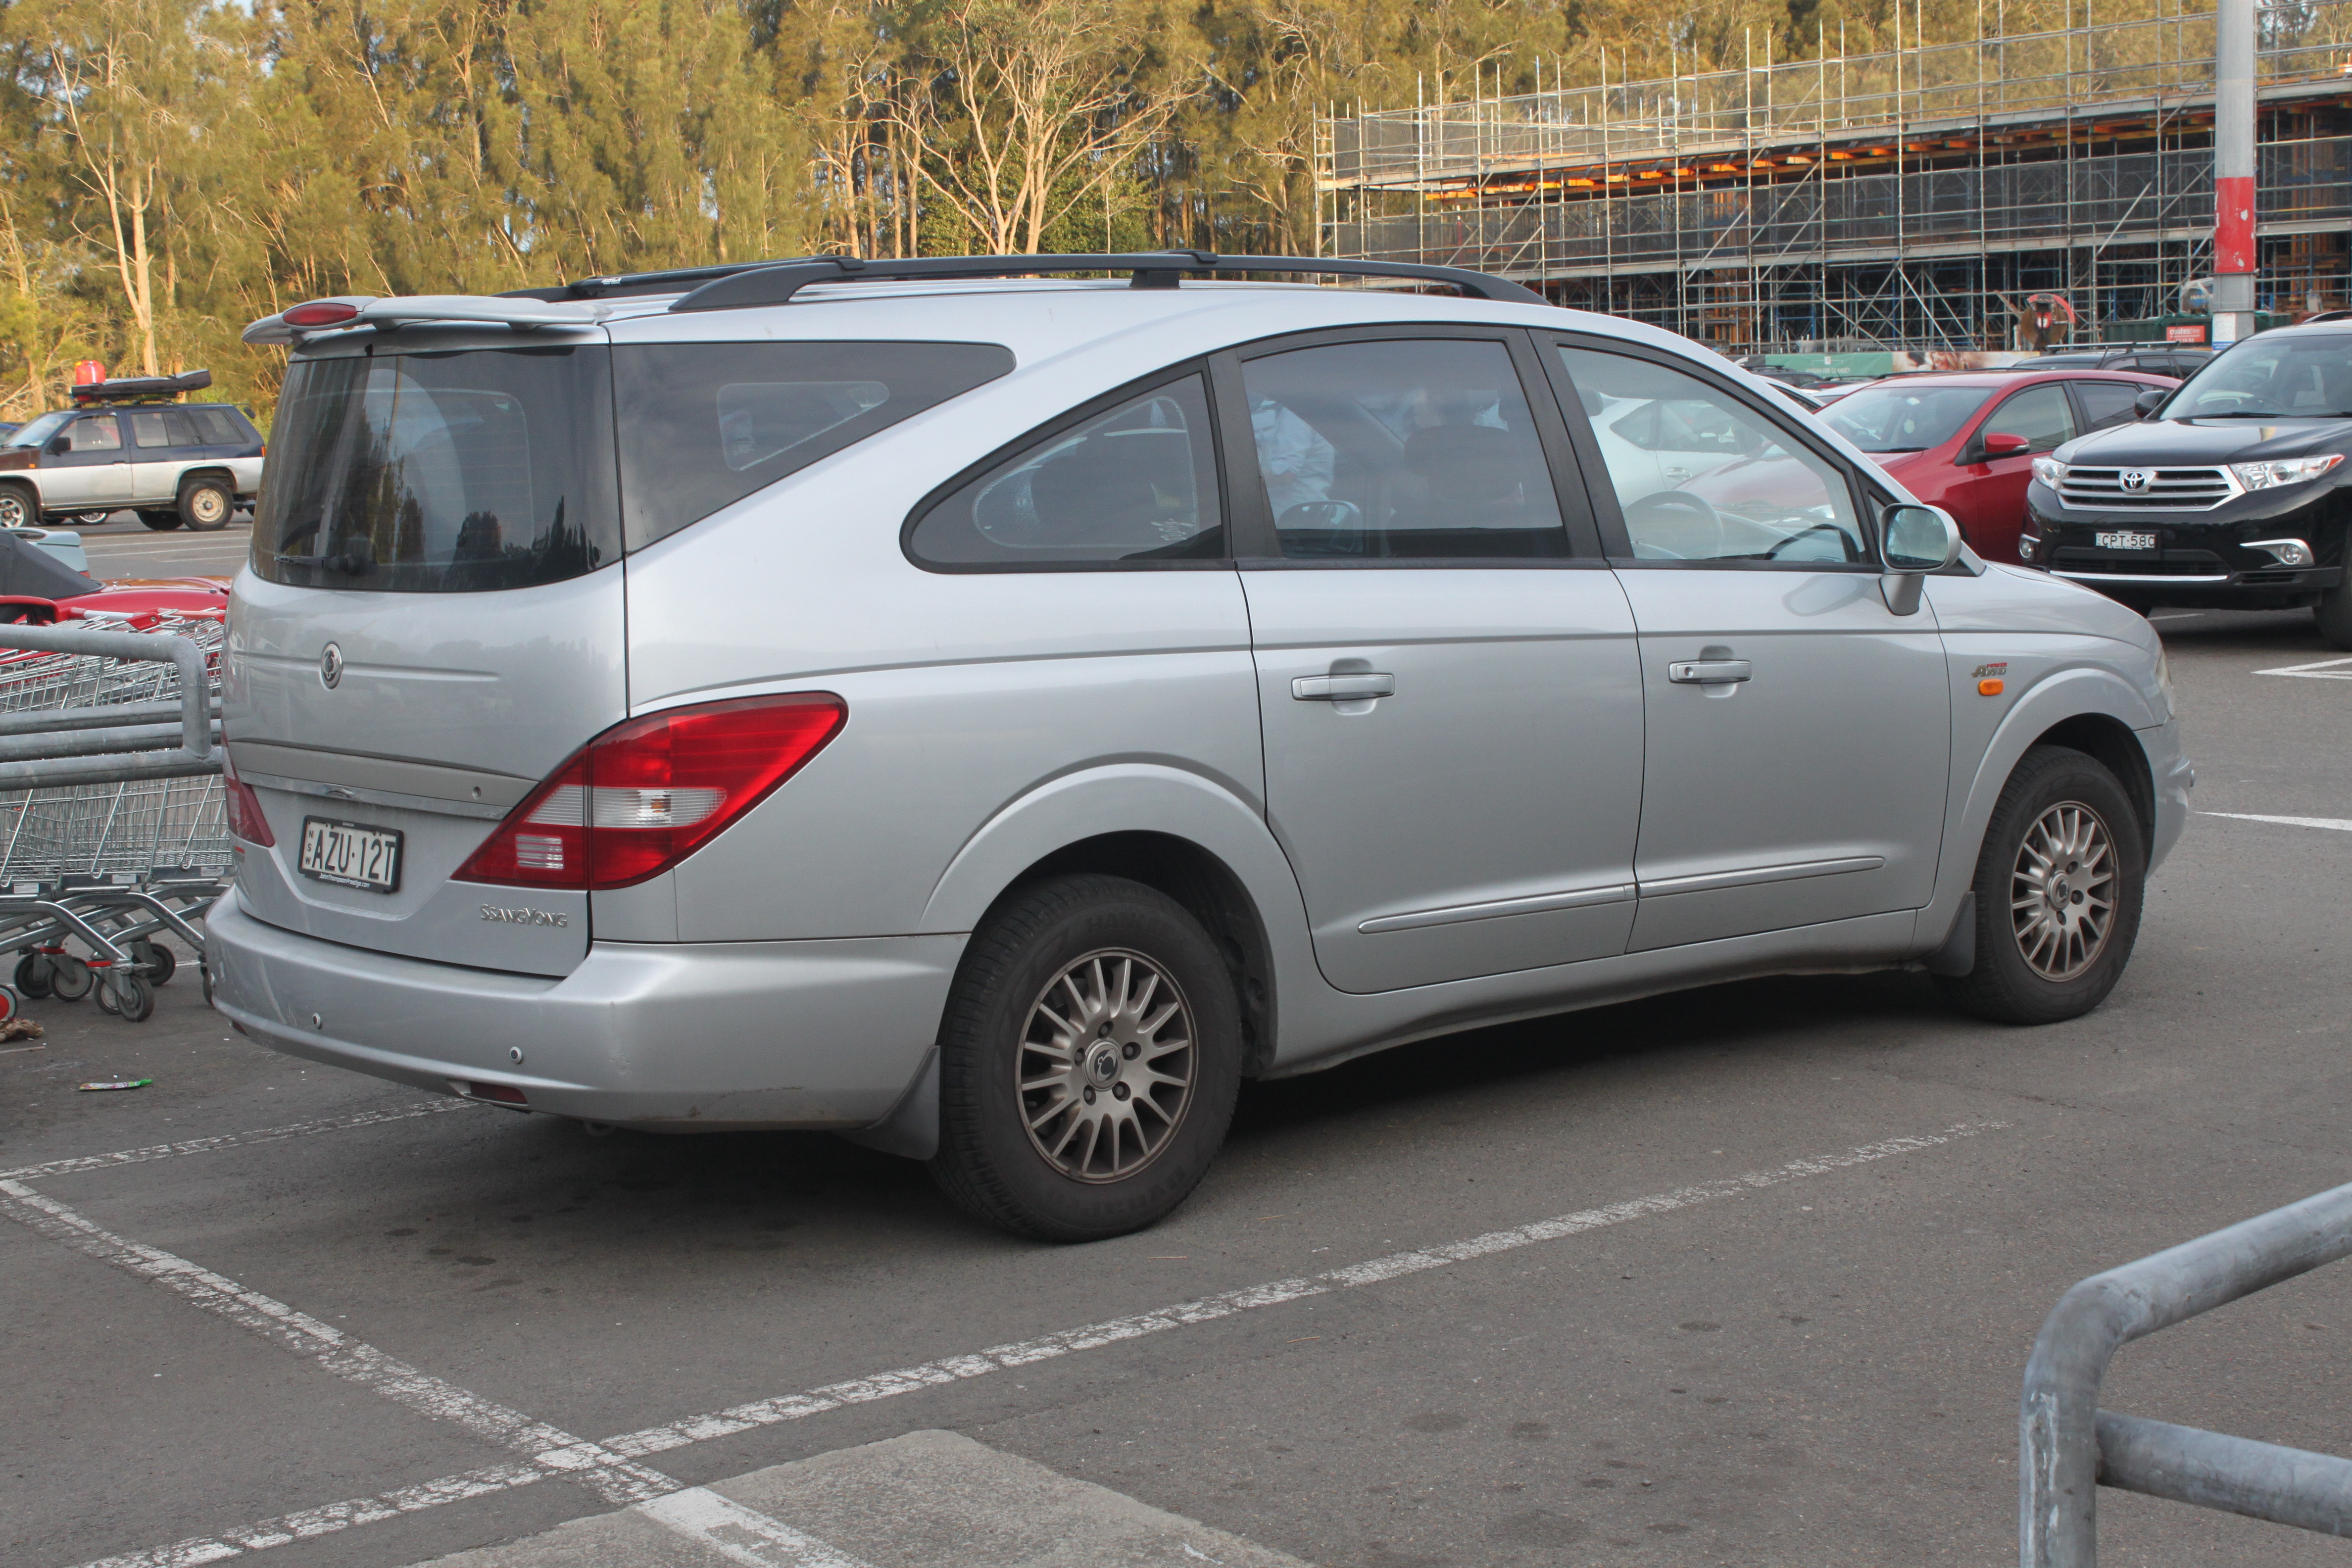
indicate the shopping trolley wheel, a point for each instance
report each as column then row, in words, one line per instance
column 69, row 977
column 103, row 994
column 32, row 974
column 205, row 977
column 10, row 1004
column 127, row 992
column 154, row 961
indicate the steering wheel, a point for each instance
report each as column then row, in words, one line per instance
column 1845, row 540
column 1661, row 506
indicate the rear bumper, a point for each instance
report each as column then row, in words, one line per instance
column 669, row 1037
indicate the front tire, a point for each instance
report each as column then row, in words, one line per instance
column 2059, row 885
column 20, row 507
column 1088, row 1061
column 206, row 503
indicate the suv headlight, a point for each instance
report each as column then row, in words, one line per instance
column 2049, row 472
column 2284, row 471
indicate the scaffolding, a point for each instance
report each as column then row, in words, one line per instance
column 1898, row 200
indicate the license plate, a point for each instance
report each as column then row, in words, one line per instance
column 351, row 855
column 2124, row 539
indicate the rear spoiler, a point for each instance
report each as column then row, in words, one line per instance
column 143, row 388
column 296, row 323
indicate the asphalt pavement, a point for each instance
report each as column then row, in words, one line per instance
column 124, row 547
column 1750, row 1276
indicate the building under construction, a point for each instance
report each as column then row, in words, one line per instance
column 1905, row 200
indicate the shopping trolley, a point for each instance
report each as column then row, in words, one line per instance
column 116, row 830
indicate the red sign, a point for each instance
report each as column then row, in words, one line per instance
column 2184, row 334
column 89, row 372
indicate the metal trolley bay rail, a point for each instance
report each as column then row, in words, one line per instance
column 114, row 831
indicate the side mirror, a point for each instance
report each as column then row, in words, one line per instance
column 1914, row 541
column 2149, row 401
column 2004, row 443
column 60, row 446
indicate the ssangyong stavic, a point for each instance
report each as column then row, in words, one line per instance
column 995, row 716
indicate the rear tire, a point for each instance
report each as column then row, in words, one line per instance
column 2334, row 616
column 161, row 522
column 206, row 503
column 2059, row 885
column 20, row 507
column 1088, row 1061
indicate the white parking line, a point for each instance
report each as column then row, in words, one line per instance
column 2325, row 669
column 235, row 1140
column 608, row 1474
column 740, row 1534
column 2337, row 822
column 1025, row 1352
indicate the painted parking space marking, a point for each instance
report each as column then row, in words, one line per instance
column 2341, row 824
column 2325, row 669
column 609, row 1454
column 609, row 1474
column 236, row 1140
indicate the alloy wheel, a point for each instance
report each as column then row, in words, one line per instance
column 1105, row 1069
column 2061, row 890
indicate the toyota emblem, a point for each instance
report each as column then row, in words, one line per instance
column 2136, row 481
column 330, row 667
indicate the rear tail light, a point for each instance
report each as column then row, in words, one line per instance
column 245, row 818
column 648, row 793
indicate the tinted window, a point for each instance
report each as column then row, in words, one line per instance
column 154, row 428
column 1893, row 417
column 1700, row 475
column 2039, row 414
column 703, row 425
column 1420, row 449
column 1137, row 483
column 2106, row 402
column 440, row 472
column 220, row 427
column 94, row 433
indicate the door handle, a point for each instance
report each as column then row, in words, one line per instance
column 1342, row 688
column 1707, row 671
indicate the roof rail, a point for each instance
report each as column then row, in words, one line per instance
column 675, row 280
column 775, row 283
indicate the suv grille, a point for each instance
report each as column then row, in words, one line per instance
column 2174, row 489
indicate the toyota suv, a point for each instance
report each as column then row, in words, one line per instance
column 2234, row 491
column 993, row 712
column 125, row 444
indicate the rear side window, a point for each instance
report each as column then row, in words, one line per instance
column 477, row 470
column 1135, row 484
column 2106, row 402
column 704, row 425
column 220, row 427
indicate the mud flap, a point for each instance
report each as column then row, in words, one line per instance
column 912, row 1128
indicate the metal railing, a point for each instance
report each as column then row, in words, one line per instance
column 2068, row 1447
column 47, row 748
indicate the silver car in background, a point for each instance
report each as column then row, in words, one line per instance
column 993, row 716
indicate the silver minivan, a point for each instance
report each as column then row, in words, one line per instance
column 993, row 716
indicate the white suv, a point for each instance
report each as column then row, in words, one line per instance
column 177, row 465
column 993, row 716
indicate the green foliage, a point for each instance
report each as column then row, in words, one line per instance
column 172, row 169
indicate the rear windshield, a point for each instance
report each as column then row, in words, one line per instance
column 450, row 472
column 703, row 425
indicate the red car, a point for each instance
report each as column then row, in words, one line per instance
column 37, row 586
column 1966, row 440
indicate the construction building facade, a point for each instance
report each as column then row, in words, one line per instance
column 1906, row 200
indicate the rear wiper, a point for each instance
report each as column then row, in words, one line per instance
column 357, row 561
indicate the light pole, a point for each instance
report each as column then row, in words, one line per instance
column 2234, row 172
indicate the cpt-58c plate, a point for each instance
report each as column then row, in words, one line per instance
column 2124, row 539
column 351, row 855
